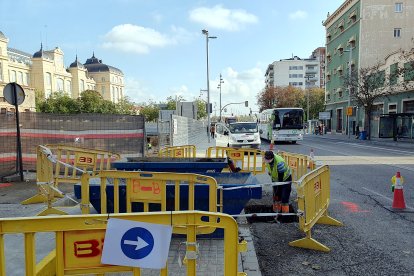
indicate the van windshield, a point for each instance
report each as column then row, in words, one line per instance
column 243, row 128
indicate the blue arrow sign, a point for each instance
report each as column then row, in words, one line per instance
column 137, row 243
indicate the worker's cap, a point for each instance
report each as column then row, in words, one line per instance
column 269, row 156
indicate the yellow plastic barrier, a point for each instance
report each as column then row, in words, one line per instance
column 79, row 241
column 178, row 151
column 248, row 160
column 150, row 188
column 298, row 163
column 313, row 199
column 63, row 164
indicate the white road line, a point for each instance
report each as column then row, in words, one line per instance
column 373, row 147
column 383, row 196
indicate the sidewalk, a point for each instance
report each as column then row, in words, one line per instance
column 401, row 143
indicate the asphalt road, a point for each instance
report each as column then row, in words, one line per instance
column 375, row 239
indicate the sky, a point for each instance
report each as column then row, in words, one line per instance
column 160, row 47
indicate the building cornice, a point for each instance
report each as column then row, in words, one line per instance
column 338, row 11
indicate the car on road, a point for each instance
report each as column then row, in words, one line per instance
column 238, row 135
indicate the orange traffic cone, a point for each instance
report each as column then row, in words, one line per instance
column 398, row 202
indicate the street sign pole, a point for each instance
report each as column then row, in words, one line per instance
column 19, row 161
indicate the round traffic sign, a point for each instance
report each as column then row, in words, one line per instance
column 9, row 95
column 137, row 243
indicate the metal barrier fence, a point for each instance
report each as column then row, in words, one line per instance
column 248, row 160
column 79, row 241
column 313, row 200
column 64, row 164
column 118, row 133
column 150, row 188
column 299, row 164
column 178, row 151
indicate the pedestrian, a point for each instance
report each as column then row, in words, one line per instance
column 212, row 130
column 279, row 171
column 357, row 132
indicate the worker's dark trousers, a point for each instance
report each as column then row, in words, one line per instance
column 282, row 193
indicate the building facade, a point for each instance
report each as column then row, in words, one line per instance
column 361, row 34
column 296, row 72
column 44, row 72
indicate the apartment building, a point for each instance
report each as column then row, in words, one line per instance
column 44, row 72
column 297, row 72
column 360, row 34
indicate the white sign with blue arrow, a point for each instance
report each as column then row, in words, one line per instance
column 137, row 244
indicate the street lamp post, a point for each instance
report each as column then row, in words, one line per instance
column 219, row 86
column 205, row 32
column 349, row 89
column 308, row 82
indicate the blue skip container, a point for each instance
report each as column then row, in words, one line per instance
column 234, row 199
column 178, row 165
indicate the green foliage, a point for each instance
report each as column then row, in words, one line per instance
column 171, row 102
column 316, row 102
column 89, row 102
column 150, row 112
column 201, row 109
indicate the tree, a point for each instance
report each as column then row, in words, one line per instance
column 89, row 102
column 150, row 112
column 201, row 109
column 58, row 102
column 316, row 101
column 172, row 101
column 373, row 83
column 273, row 97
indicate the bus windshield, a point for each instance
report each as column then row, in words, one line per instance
column 243, row 128
column 288, row 119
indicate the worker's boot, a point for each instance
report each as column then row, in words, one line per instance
column 277, row 206
column 285, row 208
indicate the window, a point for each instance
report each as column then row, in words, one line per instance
column 1, row 72
column 82, row 86
column 408, row 71
column 397, row 32
column 59, row 84
column 26, row 79
column 392, row 108
column 103, row 79
column 48, row 79
column 68, row 87
column 328, row 37
column 340, row 94
column 398, row 7
column 353, row 16
column 394, row 74
column 408, row 106
column 20, row 77
column 103, row 90
column 12, row 76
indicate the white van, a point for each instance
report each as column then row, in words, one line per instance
column 238, row 135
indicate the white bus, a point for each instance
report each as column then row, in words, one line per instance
column 281, row 124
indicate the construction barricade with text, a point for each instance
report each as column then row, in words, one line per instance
column 299, row 164
column 248, row 160
column 64, row 164
column 80, row 238
column 150, row 188
column 313, row 191
column 178, row 151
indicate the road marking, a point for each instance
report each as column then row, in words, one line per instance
column 405, row 152
column 3, row 185
column 383, row 196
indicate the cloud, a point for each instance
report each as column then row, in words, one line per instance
column 298, row 15
column 134, row 39
column 222, row 18
column 137, row 92
column 238, row 87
